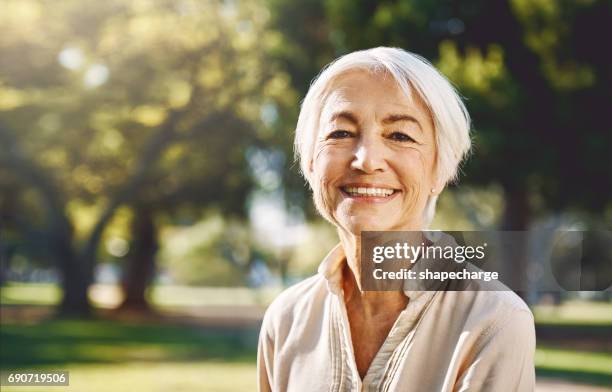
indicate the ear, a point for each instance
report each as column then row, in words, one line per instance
column 308, row 172
column 310, row 168
column 438, row 187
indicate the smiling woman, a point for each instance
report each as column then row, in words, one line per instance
column 380, row 134
column 386, row 141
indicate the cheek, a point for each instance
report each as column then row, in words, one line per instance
column 328, row 168
column 423, row 162
column 414, row 170
column 329, row 164
column 413, row 166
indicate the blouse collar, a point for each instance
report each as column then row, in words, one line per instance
column 331, row 269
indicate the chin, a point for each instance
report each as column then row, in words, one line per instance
column 356, row 225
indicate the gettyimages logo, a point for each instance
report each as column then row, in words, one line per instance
column 487, row 261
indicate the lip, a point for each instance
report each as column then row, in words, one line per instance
column 368, row 199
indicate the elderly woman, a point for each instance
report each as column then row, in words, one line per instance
column 380, row 134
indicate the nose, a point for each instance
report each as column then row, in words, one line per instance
column 369, row 156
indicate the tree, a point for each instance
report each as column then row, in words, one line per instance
column 105, row 104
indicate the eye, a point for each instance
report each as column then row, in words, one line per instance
column 339, row 134
column 401, row 137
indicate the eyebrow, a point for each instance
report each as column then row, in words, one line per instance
column 344, row 115
column 390, row 119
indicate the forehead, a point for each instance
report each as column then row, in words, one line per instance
column 365, row 91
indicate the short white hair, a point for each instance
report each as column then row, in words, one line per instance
column 411, row 72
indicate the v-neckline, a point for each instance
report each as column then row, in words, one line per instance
column 383, row 362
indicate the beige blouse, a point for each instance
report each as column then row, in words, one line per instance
column 442, row 341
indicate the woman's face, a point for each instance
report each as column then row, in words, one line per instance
column 374, row 156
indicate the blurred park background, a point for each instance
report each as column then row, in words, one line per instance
column 150, row 207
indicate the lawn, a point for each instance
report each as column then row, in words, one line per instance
column 155, row 377
column 108, row 296
column 166, row 297
column 104, row 355
column 580, row 366
column 575, row 313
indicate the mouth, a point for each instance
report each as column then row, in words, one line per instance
column 369, row 192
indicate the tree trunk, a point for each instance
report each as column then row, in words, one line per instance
column 76, row 270
column 4, row 258
column 516, row 218
column 517, row 211
column 140, row 268
column 75, row 285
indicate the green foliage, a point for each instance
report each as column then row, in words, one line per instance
column 320, row 238
column 193, row 255
column 104, row 80
column 213, row 252
column 108, row 104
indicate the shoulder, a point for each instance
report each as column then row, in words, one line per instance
column 495, row 298
column 499, row 335
column 487, row 310
column 509, row 315
column 490, row 323
column 295, row 302
column 500, row 317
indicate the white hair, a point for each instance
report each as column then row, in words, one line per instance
column 411, row 72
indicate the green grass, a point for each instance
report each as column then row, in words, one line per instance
column 60, row 342
column 30, row 294
column 178, row 296
column 579, row 366
column 575, row 313
column 108, row 296
column 155, row 377
column 110, row 355
column 106, row 355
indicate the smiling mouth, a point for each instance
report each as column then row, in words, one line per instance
column 368, row 191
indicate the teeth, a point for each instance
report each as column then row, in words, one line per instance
column 361, row 191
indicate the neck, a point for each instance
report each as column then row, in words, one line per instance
column 371, row 302
column 351, row 244
column 352, row 250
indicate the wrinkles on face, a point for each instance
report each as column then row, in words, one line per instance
column 357, row 144
column 411, row 196
column 324, row 200
column 320, row 149
column 324, row 180
column 414, row 184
